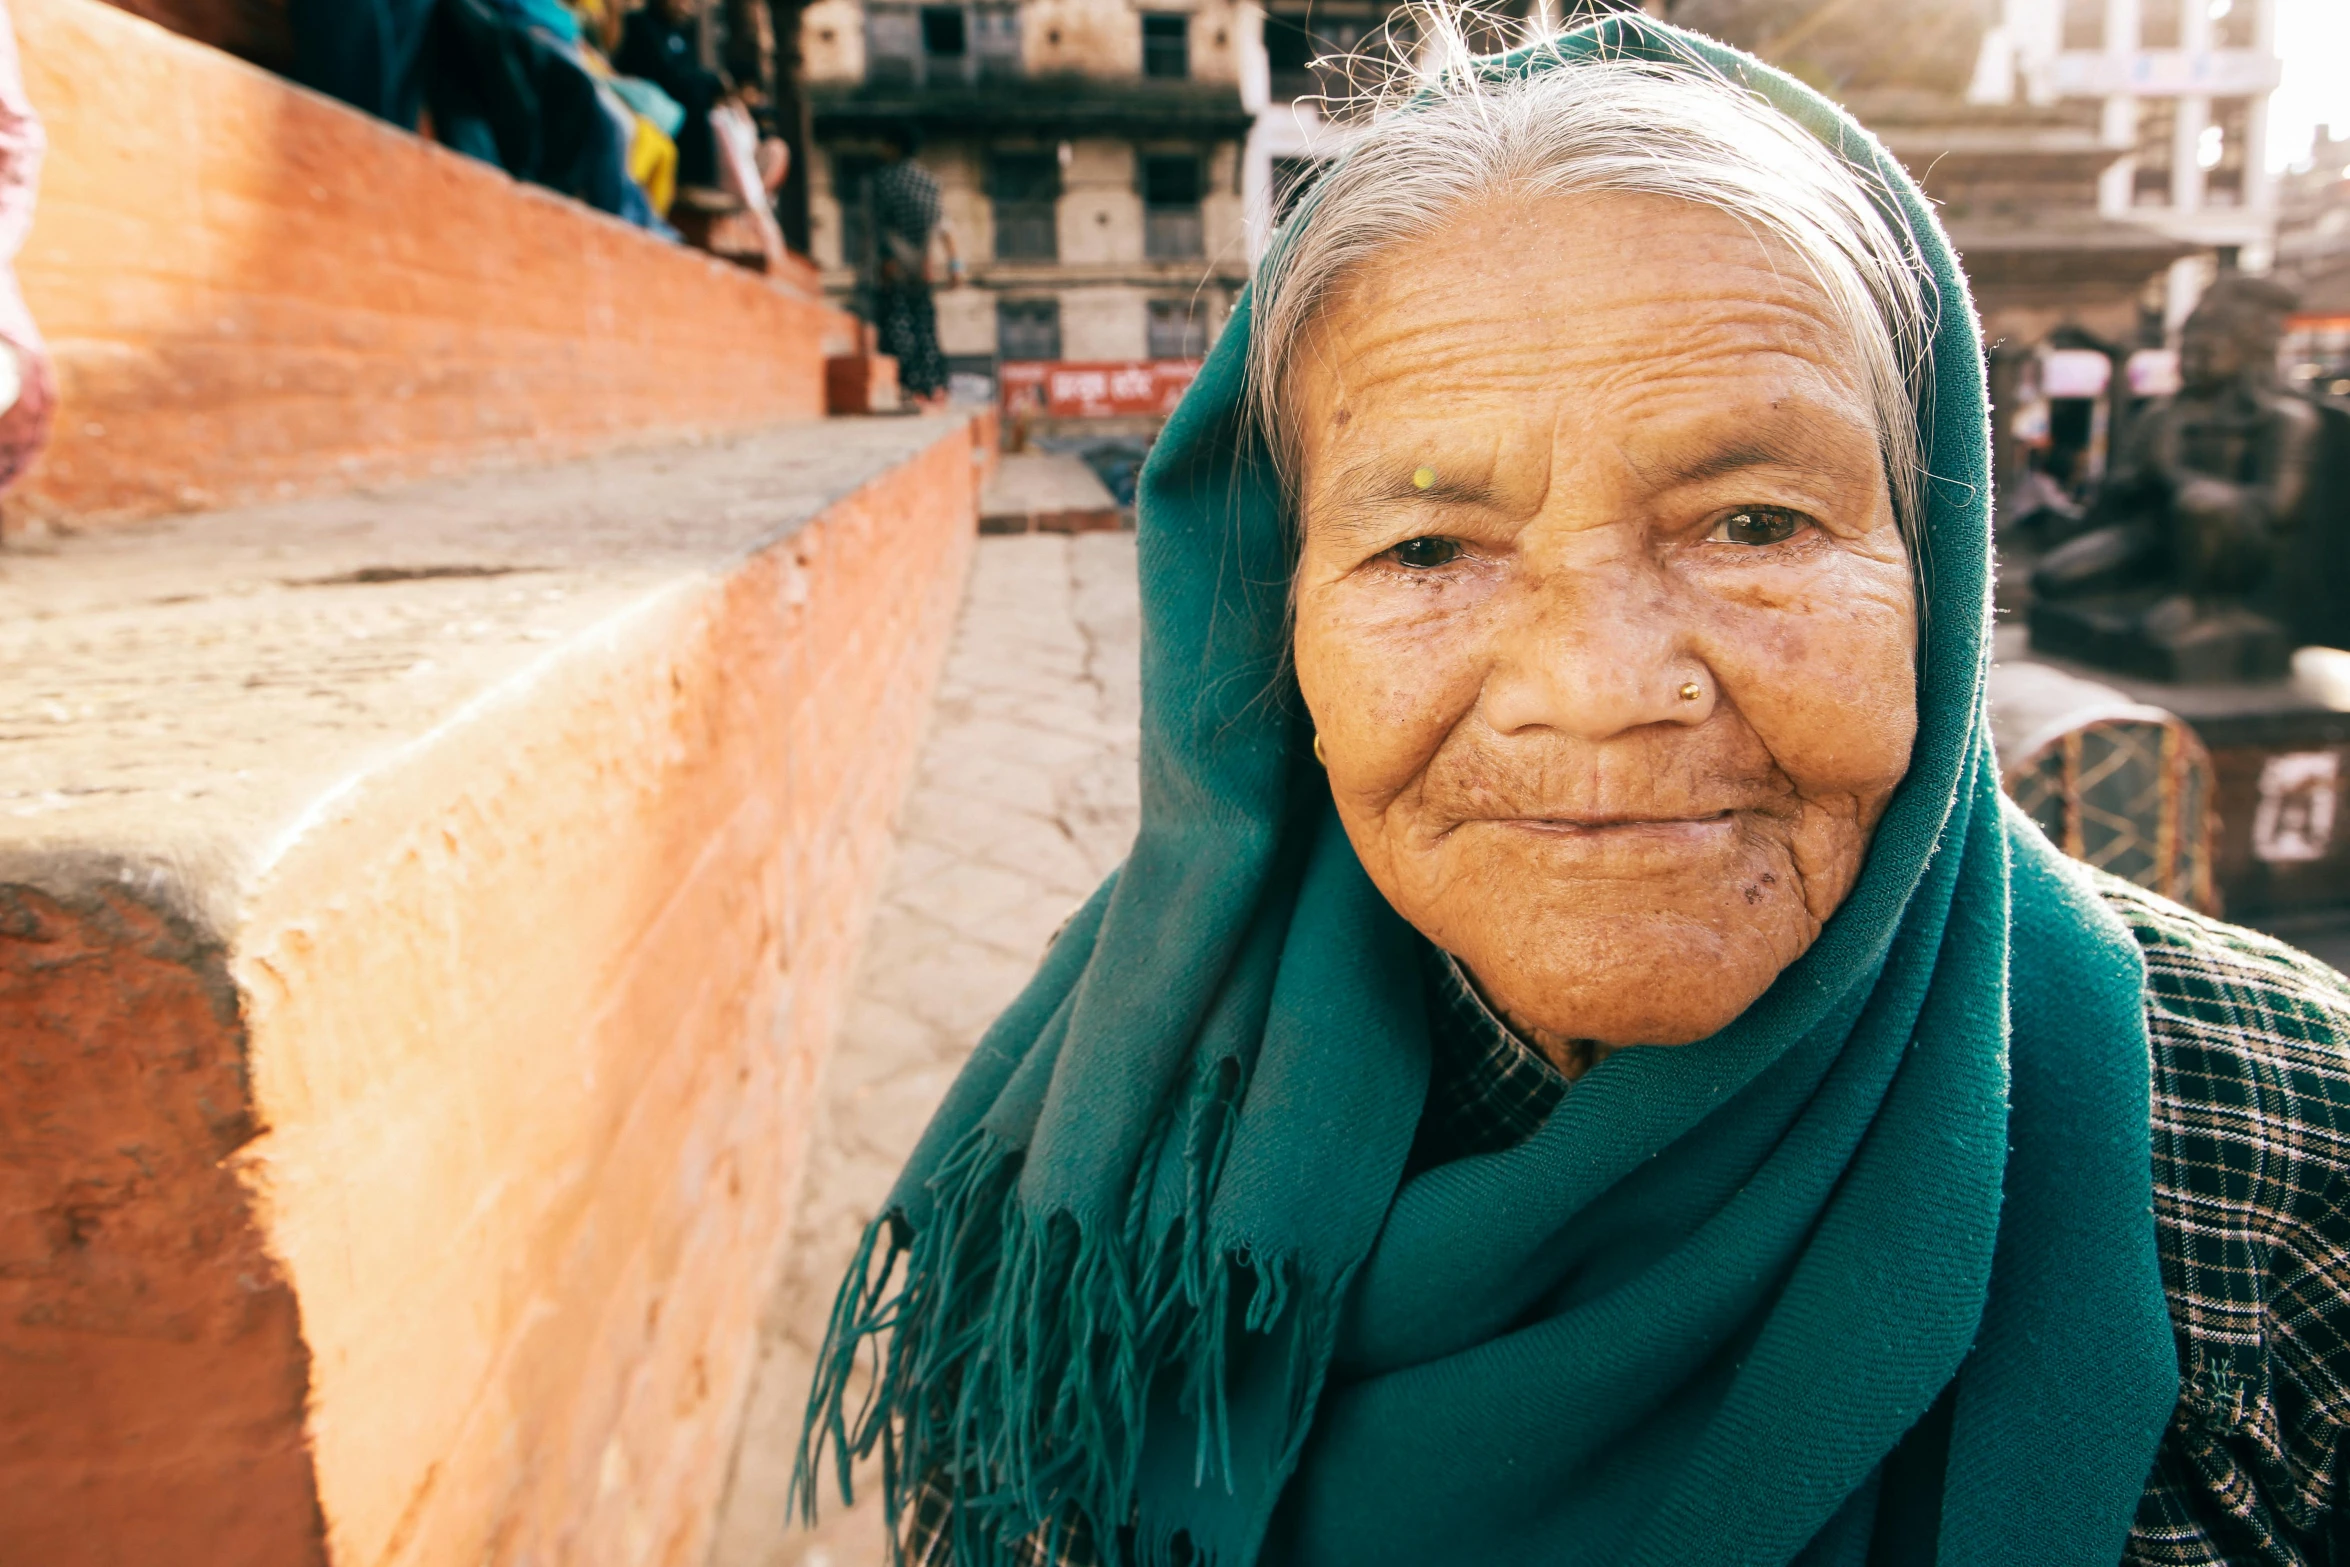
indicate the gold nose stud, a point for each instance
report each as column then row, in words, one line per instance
column 1691, row 691
column 1318, row 754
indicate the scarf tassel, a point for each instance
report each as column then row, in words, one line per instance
column 1015, row 1354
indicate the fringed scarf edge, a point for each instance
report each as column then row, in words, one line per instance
column 1012, row 1357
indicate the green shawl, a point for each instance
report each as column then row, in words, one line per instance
column 1870, row 1275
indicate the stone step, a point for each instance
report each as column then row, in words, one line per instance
column 1047, row 492
column 422, row 919
column 253, row 292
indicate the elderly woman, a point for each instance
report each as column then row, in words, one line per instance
column 1582, row 1066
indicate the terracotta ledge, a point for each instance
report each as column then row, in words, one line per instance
column 420, row 917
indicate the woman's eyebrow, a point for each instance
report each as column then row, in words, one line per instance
column 1781, row 449
column 1382, row 482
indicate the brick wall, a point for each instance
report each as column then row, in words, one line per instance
column 156, row 1371
column 253, row 292
column 626, row 1033
column 394, row 1179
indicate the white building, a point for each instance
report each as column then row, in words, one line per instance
column 2182, row 88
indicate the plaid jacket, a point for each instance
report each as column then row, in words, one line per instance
column 2251, row 1077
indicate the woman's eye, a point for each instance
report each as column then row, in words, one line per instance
column 1757, row 525
column 1422, row 553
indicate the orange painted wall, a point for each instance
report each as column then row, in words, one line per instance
column 254, row 292
column 424, row 1217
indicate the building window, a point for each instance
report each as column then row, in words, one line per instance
column 2221, row 151
column 2235, row 24
column 2084, row 24
column 1291, row 179
column 946, row 36
column 893, row 45
column 1178, row 329
column 1171, row 229
column 1312, row 54
column 1166, row 47
column 1289, row 54
column 1028, row 329
column 941, row 45
column 2158, row 123
column 1024, row 188
column 2159, row 24
column 995, row 39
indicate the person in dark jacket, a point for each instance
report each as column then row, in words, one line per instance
column 368, row 53
column 503, row 78
column 662, row 44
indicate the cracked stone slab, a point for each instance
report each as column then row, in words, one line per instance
column 149, row 678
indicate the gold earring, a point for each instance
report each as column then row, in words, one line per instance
column 1691, row 691
column 1319, row 754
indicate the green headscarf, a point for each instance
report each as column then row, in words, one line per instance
column 1873, row 1269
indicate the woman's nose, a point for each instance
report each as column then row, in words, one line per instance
column 1591, row 653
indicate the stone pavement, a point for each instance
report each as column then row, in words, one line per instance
column 1024, row 800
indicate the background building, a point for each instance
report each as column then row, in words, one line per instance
column 1089, row 153
column 1321, row 60
column 2313, row 256
column 1113, row 168
column 2168, row 100
column 2181, row 87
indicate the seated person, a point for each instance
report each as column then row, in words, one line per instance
column 663, row 44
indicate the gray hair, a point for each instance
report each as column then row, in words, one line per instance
column 1673, row 128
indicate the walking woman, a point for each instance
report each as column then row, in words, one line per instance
column 903, row 216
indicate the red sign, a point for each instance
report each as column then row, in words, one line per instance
column 1091, row 391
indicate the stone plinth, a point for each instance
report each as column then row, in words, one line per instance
column 2280, row 754
column 2232, row 647
column 254, row 292
column 422, row 917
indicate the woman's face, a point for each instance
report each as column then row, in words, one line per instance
column 1602, row 614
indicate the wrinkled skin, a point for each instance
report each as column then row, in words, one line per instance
column 1603, row 617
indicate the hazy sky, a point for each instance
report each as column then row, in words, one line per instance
column 2313, row 39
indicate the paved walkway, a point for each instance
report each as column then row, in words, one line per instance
column 1024, row 800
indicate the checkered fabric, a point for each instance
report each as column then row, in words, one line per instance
column 1488, row 1090
column 930, row 1539
column 2251, row 1043
column 2251, row 1078
column 906, row 203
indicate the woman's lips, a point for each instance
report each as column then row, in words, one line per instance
column 1626, row 829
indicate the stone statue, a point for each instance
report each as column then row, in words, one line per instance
column 2173, row 575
